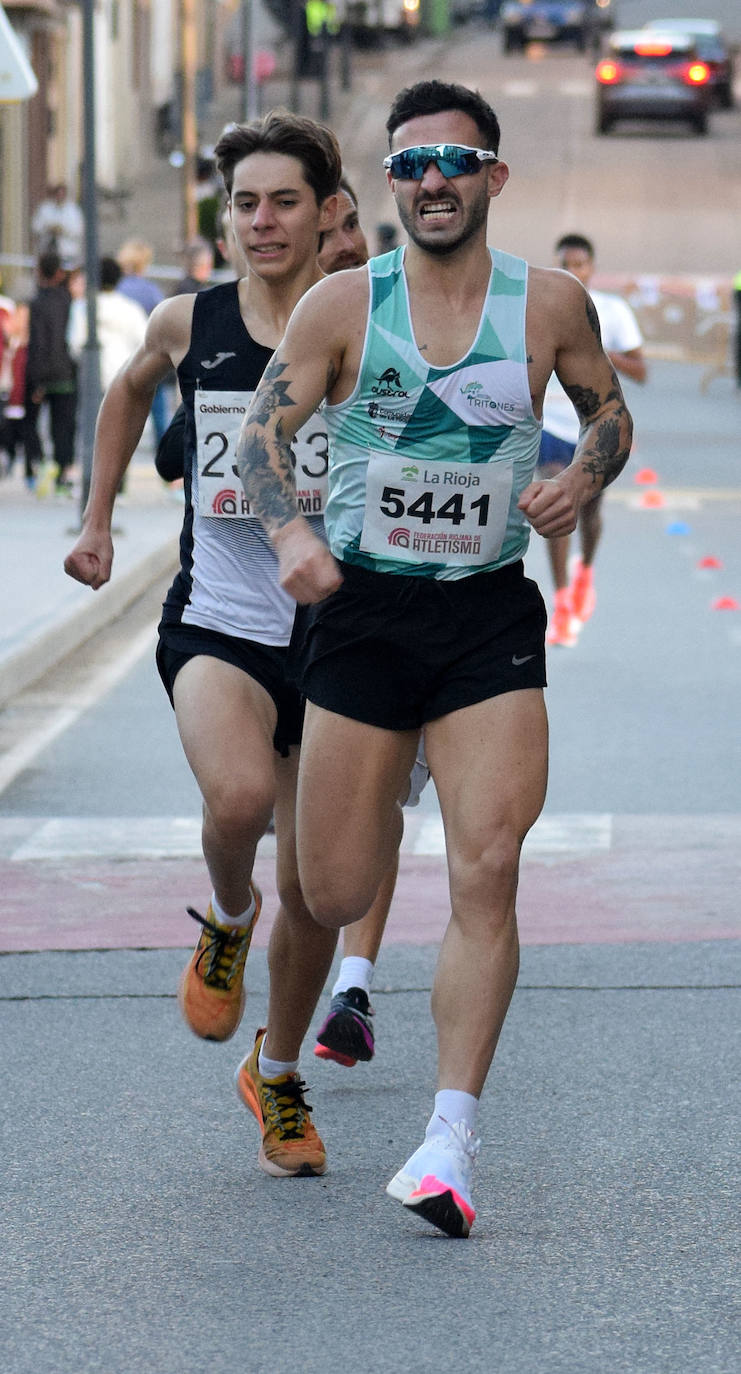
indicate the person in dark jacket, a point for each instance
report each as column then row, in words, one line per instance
column 51, row 375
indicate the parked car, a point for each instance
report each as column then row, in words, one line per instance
column 646, row 75
column 711, row 47
column 554, row 21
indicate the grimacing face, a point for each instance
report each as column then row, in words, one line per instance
column 441, row 215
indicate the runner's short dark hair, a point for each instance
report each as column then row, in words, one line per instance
column 280, row 131
column 434, row 97
column 347, row 188
column 579, row 241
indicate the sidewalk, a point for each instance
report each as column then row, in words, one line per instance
column 45, row 614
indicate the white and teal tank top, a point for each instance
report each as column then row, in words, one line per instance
column 427, row 464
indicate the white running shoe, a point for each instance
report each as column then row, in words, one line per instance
column 436, row 1181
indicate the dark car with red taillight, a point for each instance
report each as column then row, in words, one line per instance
column 712, row 47
column 652, row 76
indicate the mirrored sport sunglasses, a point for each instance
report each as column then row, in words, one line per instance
column 453, row 159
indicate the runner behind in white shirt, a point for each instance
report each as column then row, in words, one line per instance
column 575, row 600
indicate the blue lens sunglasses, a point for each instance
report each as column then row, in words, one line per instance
column 453, row 160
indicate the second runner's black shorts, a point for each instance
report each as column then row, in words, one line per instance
column 265, row 663
column 397, row 651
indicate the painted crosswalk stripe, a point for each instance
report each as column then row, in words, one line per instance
column 179, row 837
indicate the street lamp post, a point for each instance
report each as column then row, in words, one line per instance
column 249, row 83
column 188, row 122
column 89, row 390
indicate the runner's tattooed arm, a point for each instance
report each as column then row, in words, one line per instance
column 606, row 426
column 606, row 431
column 265, row 461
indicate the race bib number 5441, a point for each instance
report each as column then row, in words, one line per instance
column 218, row 416
column 452, row 513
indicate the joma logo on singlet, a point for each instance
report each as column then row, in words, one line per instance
column 216, row 362
column 389, row 384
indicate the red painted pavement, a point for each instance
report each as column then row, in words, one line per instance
column 631, row 893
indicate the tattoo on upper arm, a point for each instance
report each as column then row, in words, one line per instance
column 593, row 319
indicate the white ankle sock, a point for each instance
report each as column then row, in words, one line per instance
column 354, row 973
column 452, row 1106
column 223, row 917
column 274, row 1068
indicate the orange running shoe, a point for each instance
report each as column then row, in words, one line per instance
column 211, row 992
column 581, row 589
column 290, row 1143
column 560, row 629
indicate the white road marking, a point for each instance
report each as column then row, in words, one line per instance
column 520, row 89
column 525, row 89
column 179, row 837
column 578, row 87
column 22, row 755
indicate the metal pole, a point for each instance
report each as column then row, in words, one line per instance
column 297, row 23
column 249, row 83
column 89, row 390
column 189, row 128
column 346, row 54
column 325, row 103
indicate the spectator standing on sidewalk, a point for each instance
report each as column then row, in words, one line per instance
column 121, row 322
column 135, row 258
column 575, row 599
column 13, row 387
column 199, row 264
column 58, row 227
column 51, row 374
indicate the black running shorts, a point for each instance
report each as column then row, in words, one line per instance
column 397, row 651
column 263, row 662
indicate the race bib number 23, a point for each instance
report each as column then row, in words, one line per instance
column 218, row 416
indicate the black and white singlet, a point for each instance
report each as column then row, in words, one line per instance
column 228, row 578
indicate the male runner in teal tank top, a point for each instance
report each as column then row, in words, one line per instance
column 434, row 361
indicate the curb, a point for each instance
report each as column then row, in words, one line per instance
column 30, row 663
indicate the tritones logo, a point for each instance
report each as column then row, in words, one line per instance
column 471, row 388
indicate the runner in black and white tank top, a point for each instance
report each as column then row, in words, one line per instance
column 228, row 578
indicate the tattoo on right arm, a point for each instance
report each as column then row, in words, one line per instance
column 265, row 460
column 593, row 319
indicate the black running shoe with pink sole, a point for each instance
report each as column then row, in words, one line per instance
column 347, row 1035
